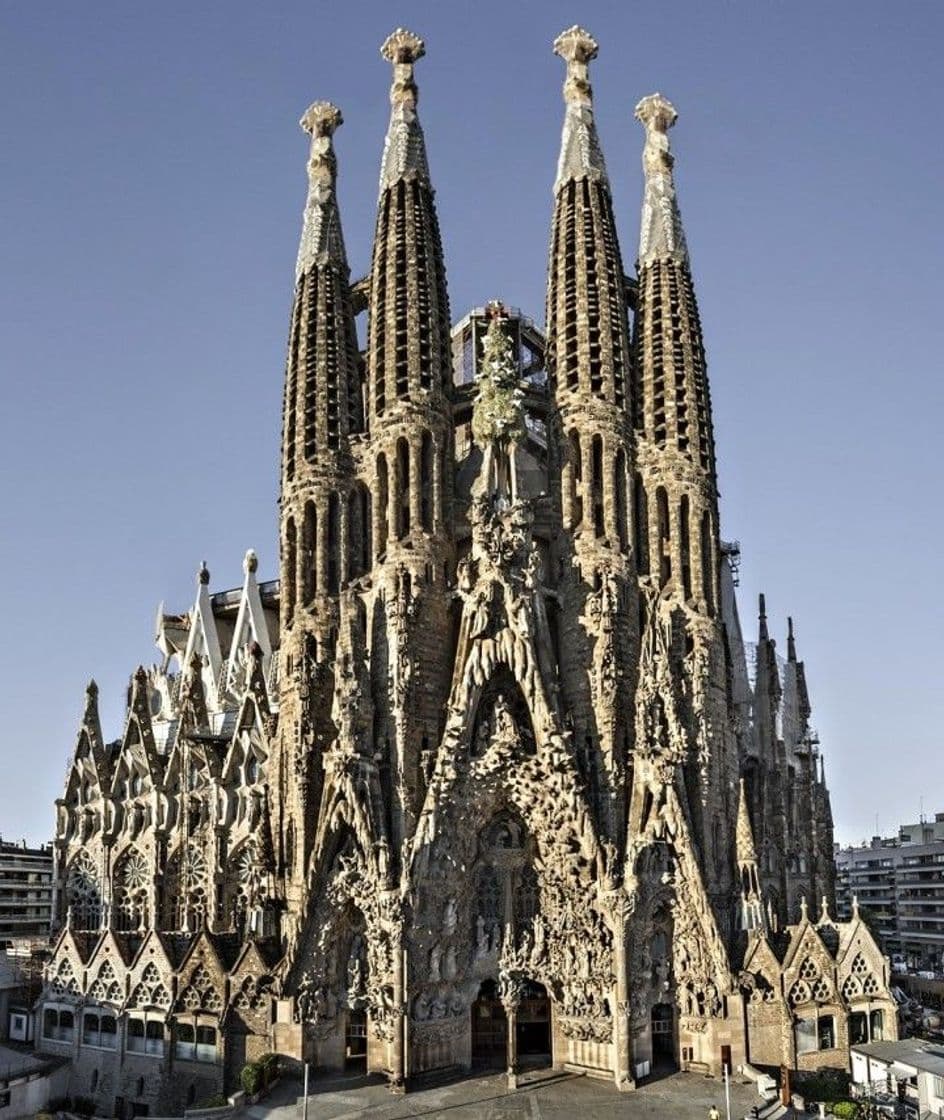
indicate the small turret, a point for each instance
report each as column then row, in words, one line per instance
column 751, row 914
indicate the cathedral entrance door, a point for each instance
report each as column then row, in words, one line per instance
column 534, row 1025
column 355, row 1039
column 663, row 1038
column 489, row 1028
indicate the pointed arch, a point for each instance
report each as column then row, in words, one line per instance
column 502, row 713
column 83, row 893
column 131, row 881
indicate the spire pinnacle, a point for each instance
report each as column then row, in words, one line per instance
column 581, row 156
column 762, row 616
column 404, row 153
column 744, row 834
column 661, row 234
column 791, row 643
column 321, row 227
column 577, row 47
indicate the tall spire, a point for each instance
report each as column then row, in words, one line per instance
column 404, row 153
column 744, row 835
column 752, row 910
column 673, row 401
column 321, row 238
column 408, row 336
column 661, row 234
column 588, row 351
column 322, row 390
column 791, row 641
column 580, row 154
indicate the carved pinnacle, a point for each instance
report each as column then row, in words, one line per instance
column 402, row 46
column 321, row 119
column 656, row 112
column 576, row 47
column 402, row 49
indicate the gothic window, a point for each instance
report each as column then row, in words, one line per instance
column 622, row 509
column 489, row 898
column 253, row 993
column 596, row 484
column 808, row 969
column 800, row 993
column 859, row 965
column 402, row 489
column 248, row 883
column 851, row 988
column 821, row 990
column 826, row 1032
column 150, row 990
column 309, row 578
column 527, row 897
column 83, row 894
column 685, row 546
column 185, row 889
column 870, row 985
column 106, row 988
column 574, row 466
column 64, row 982
column 334, row 543
column 291, row 569
column 641, row 527
column 426, row 482
column 200, row 994
column 664, row 554
column 707, row 567
column 382, row 504
column 130, row 893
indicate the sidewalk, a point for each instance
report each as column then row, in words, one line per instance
column 542, row 1095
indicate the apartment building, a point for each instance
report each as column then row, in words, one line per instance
column 900, row 882
column 26, row 891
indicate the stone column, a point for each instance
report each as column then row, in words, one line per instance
column 510, row 994
column 622, row 1047
column 609, row 491
column 416, row 486
column 401, row 1021
column 321, row 545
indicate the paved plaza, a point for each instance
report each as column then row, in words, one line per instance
column 544, row 1095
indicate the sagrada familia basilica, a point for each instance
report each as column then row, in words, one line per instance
column 489, row 775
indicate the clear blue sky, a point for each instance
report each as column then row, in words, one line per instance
column 153, row 175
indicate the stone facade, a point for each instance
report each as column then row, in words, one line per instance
column 489, row 774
